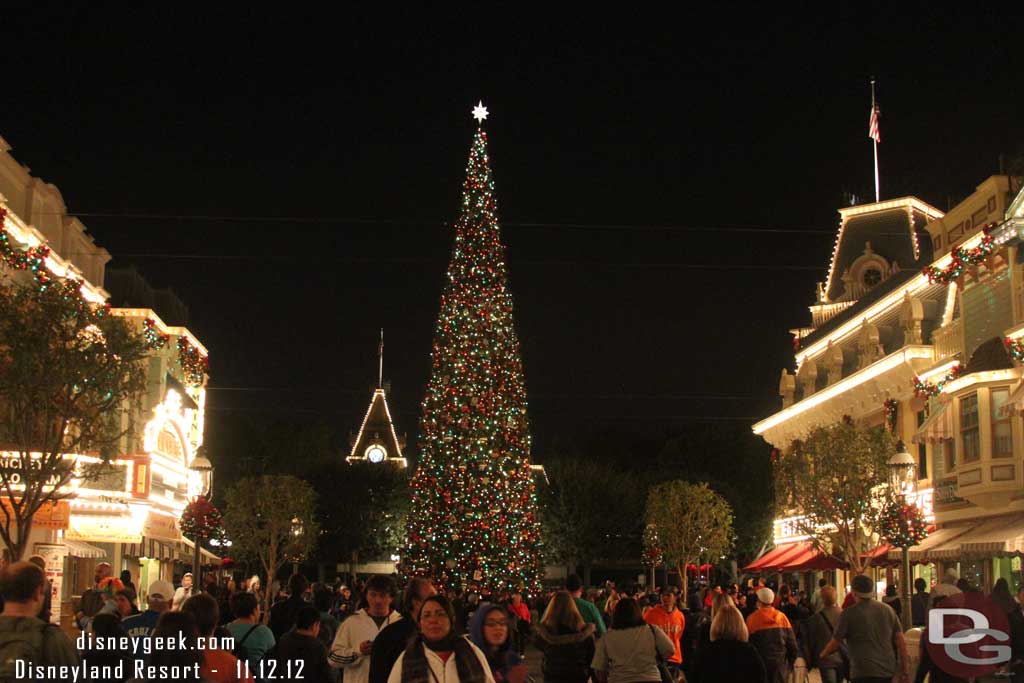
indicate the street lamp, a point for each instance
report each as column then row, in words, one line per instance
column 903, row 483
column 296, row 531
column 204, row 468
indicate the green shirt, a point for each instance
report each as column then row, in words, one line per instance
column 590, row 614
column 256, row 645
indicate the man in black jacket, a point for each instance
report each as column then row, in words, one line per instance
column 300, row 655
column 283, row 614
column 392, row 640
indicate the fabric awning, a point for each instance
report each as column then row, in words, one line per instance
column 152, row 549
column 879, row 555
column 943, row 543
column 82, row 549
column 938, row 427
column 814, row 560
column 1001, row 536
column 209, row 557
column 770, row 557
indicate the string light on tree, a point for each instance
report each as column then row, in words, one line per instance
column 902, row 525
column 474, row 509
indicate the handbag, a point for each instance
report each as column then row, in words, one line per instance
column 844, row 654
column 666, row 675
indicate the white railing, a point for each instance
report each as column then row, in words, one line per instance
column 949, row 340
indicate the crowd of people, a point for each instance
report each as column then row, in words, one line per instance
column 370, row 632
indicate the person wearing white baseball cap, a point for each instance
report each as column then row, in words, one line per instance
column 772, row 636
column 158, row 598
column 873, row 636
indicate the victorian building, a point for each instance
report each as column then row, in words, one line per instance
column 917, row 324
column 129, row 516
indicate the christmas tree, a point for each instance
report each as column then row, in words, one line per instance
column 474, row 510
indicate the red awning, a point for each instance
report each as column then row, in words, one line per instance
column 816, row 561
column 778, row 556
column 878, row 556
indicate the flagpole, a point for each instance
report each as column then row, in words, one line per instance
column 380, row 366
column 874, row 142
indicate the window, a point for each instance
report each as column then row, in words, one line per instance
column 922, row 451
column 872, row 276
column 1002, row 434
column 969, row 427
column 949, row 454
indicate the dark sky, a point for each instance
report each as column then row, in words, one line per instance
column 668, row 190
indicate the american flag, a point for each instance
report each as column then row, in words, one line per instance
column 873, row 131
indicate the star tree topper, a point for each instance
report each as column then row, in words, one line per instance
column 480, row 112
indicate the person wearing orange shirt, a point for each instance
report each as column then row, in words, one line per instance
column 670, row 620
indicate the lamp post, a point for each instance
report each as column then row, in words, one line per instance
column 903, row 483
column 201, row 465
column 296, row 531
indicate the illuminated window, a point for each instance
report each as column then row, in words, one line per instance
column 969, row 427
column 1002, row 433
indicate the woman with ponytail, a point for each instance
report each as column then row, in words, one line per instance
column 437, row 654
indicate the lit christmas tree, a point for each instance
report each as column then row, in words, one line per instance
column 474, row 510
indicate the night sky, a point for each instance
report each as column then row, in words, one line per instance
column 668, row 197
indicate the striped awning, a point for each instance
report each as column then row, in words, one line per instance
column 82, row 549
column 152, row 549
column 938, row 427
column 943, row 543
column 999, row 537
column 189, row 547
column 771, row 558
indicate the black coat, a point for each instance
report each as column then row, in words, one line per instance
column 567, row 654
column 728, row 660
column 387, row 646
column 282, row 615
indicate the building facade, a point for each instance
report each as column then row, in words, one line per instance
column 917, row 324
column 129, row 516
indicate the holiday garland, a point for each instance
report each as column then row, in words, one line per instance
column 962, row 260
column 902, row 525
column 890, row 407
column 203, row 520
column 194, row 365
column 1015, row 347
column 925, row 390
column 156, row 339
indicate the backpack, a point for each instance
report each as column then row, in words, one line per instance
column 24, row 644
column 240, row 651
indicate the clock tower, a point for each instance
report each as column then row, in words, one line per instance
column 376, row 442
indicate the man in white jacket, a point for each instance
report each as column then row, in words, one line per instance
column 354, row 642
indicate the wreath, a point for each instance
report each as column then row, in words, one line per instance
column 202, row 518
column 902, row 525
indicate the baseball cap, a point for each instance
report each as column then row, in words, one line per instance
column 765, row 595
column 162, row 590
column 862, row 586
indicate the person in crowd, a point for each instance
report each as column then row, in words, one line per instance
column 788, row 605
column 926, row 668
column 818, row 630
column 183, row 593
column 300, row 652
column 670, row 620
column 491, row 631
column 126, row 606
column 771, row 634
column 129, row 584
column 323, row 600
column 103, row 571
column 188, row 661
column 629, row 652
column 728, row 656
column 566, row 641
column 391, row 641
column 45, row 612
column 107, row 626
column 255, row 587
column 873, row 637
column 252, row 638
column 718, row 601
column 282, row 614
column 964, row 585
column 522, row 613
column 219, row 666
column 816, row 602
column 438, row 653
column 1001, row 596
column 919, row 602
column 587, row 609
column 345, row 605
column 23, row 587
column 892, row 599
column 158, row 601
column 1016, row 618
column 946, row 585
column 92, row 603
column 353, row 646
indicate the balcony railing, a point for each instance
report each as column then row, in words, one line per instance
column 949, row 340
column 946, row 493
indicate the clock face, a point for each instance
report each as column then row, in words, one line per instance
column 375, row 453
